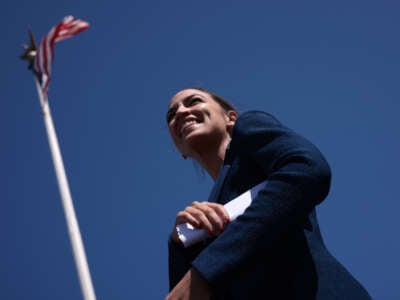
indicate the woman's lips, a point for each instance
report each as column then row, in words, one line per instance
column 187, row 125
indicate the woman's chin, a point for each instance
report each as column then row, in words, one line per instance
column 191, row 136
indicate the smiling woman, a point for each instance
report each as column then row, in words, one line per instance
column 200, row 127
column 274, row 248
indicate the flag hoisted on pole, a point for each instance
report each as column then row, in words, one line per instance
column 40, row 60
column 68, row 27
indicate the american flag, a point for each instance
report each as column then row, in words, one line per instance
column 68, row 27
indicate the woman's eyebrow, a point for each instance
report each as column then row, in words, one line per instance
column 174, row 107
column 190, row 97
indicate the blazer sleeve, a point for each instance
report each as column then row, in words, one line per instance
column 298, row 179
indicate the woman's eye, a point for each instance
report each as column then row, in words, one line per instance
column 170, row 116
column 194, row 101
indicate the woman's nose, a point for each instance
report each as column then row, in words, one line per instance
column 182, row 110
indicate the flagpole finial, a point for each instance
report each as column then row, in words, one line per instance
column 30, row 50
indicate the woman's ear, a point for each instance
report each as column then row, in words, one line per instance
column 231, row 119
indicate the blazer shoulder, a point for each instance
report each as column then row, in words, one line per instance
column 256, row 117
column 257, row 123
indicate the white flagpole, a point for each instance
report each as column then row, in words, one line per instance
column 72, row 223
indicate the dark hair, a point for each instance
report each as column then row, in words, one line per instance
column 225, row 104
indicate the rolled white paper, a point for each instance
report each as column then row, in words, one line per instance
column 190, row 235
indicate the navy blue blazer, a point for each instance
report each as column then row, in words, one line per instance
column 275, row 248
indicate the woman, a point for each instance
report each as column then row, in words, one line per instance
column 274, row 250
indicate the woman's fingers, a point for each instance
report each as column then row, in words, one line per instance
column 220, row 210
column 213, row 215
column 181, row 218
column 204, row 218
column 186, row 217
column 209, row 216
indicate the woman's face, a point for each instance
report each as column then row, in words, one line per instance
column 195, row 119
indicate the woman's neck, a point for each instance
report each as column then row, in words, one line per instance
column 212, row 158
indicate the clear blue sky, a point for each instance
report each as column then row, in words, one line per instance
column 329, row 70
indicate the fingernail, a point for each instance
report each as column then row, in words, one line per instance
column 210, row 232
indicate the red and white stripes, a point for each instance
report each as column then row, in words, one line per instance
column 68, row 27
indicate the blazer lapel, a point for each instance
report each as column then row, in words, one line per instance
column 216, row 190
column 223, row 172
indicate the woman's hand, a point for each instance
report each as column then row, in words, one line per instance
column 206, row 215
